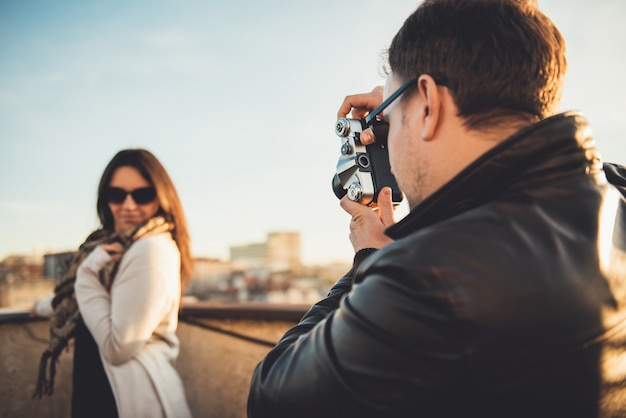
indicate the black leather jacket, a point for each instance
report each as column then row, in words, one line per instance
column 503, row 296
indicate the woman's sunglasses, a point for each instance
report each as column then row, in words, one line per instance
column 141, row 196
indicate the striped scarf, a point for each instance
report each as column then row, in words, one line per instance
column 66, row 318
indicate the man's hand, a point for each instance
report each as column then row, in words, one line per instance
column 360, row 105
column 367, row 227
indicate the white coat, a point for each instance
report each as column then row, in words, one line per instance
column 135, row 326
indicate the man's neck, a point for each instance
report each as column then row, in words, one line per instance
column 460, row 148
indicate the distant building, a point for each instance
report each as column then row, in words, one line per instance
column 53, row 263
column 249, row 255
column 22, row 282
column 270, row 271
column 19, row 268
column 206, row 267
column 280, row 252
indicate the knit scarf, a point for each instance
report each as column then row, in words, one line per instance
column 66, row 318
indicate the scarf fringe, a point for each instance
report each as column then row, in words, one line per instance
column 45, row 381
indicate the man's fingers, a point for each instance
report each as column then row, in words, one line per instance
column 367, row 137
column 361, row 104
column 356, row 103
column 352, row 207
column 385, row 207
column 367, row 228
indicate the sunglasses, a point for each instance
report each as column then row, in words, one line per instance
column 141, row 196
column 379, row 127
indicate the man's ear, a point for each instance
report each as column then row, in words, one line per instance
column 431, row 110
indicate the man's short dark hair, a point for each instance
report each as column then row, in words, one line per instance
column 500, row 58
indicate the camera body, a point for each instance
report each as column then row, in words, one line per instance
column 362, row 170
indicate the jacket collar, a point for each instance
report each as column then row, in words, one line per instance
column 561, row 144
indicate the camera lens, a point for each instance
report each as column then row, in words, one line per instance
column 338, row 187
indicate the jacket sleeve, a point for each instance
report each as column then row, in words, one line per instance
column 43, row 308
column 300, row 363
column 368, row 349
column 144, row 289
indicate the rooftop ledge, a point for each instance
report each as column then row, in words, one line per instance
column 221, row 343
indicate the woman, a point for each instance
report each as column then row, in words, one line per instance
column 127, row 279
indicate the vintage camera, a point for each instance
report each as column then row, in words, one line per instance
column 362, row 170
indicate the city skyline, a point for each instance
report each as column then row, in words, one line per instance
column 237, row 100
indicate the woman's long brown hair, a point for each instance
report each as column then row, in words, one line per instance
column 169, row 203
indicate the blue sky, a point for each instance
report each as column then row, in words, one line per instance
column 238, row 100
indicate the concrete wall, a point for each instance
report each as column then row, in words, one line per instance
column 215, row 366
column 24, row 294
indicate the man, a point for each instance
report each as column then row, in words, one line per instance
column 502, row 293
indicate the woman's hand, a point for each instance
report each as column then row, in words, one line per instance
column 114, row 249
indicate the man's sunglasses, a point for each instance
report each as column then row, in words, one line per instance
column 380, row 128
column 141, row 196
